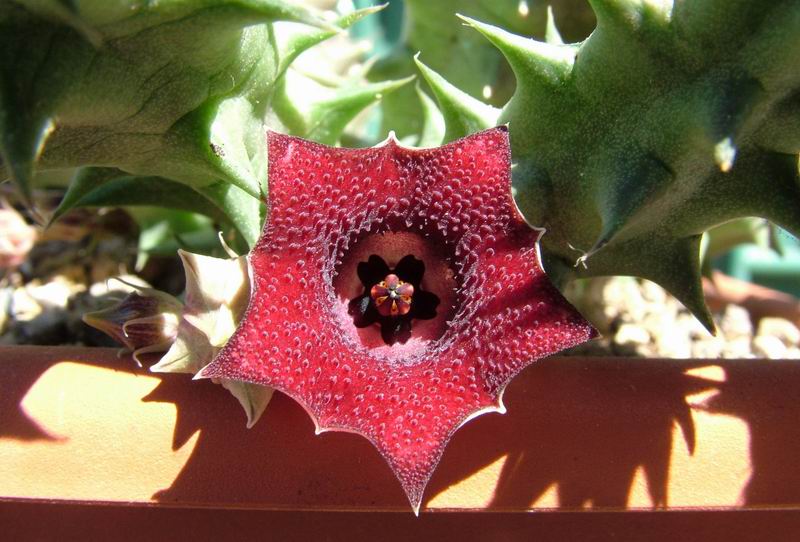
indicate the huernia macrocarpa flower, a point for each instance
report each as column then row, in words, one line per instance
column 395, row 293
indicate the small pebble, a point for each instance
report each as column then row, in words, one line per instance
column 769, row 347
column 780, row 328
column 630, row 333
column 737, row 348
column 735, row 323
column 710, row 348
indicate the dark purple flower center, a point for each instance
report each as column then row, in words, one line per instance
column 392, row 298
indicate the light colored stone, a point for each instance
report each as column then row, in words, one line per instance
column 735, row 323
column 55, row 293
column 793, row 353
column 738, row 348
column 656, row 322
column 24, row 306
column 653, row 293
column 710, row 348
column 782, row 329
column 650, row 322
column 631, row 334
column 39, row 312
column 673, row 342
column 768, row 346
column 696, row 330
column 623, row 299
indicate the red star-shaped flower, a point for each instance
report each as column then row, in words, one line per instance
column 395, row 293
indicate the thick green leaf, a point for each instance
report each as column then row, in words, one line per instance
column 462, row 57
column 177, row 89
column 324, row 119
column 105, row 187
column 659, row 126
column 433, row 125
column 243, row 211
column 327, row 119
column 463, row 114
column 292, row 44
column 163, row 231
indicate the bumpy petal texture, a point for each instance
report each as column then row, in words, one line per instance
column 451, row 207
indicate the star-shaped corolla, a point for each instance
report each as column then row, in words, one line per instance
column 341, row 219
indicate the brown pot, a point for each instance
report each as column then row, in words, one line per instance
column 81, row 425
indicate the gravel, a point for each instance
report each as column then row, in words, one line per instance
column 638, row 318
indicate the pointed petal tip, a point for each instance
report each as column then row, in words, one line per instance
column 498, row 408
column 389, row 141
column 225, row 246
column 135, row 356
column 580, row 261
column 501, row 406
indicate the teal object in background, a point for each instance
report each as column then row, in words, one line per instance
column 383, row 29
column 775, row 269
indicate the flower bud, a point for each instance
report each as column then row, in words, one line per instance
column 144, row 321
